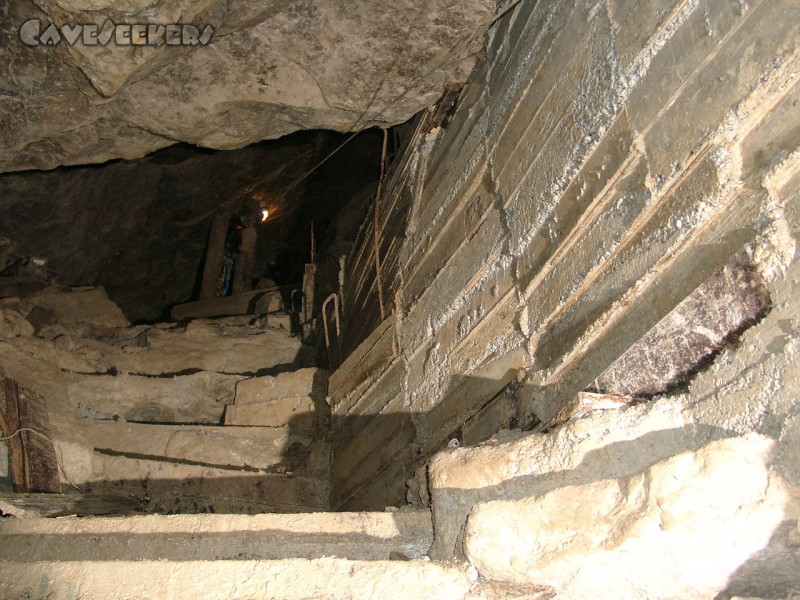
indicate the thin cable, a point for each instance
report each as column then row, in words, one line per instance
column 20, row 430
column 446, row 62
column 319, row 164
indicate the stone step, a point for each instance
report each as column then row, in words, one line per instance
column 297, row 412
column 319, row 555
column 217, row 346
column 404, row 534
column 201, row 397
column 295, row 398
column 236, row 447
column 315, row 555
column 193, row 398
column 175, row 487
column 221, row 346
column 309, row 382
column 289, row 579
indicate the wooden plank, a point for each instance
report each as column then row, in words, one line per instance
column 244, row 262
column 337, row 378
column 34, row 467
column 364, row 402
column 360, row 304
column 358, row 463
column 214, row 255
column 239, row 304
column 34, row 506
column 309, row 282
column 8, row 425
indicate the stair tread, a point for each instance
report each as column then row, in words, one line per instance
column 232, row 447
column 362, row 536
column 165, row 487
column 288, row 579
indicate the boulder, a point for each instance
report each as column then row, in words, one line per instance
column 267, row 70
column 77, row 306
column 13, row 324
column 514, row 465
column 701, row 524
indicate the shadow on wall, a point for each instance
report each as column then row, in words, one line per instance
column 543, row 474
column 773, row 571
column 627, row 512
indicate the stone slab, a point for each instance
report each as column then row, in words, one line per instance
column 290, row 579
column 297, row 413
column 212, row 346
column 356, row 536
column 302, row 382
column 255, row 447
column 196, row 398
column 686, row 527
column 168, row 488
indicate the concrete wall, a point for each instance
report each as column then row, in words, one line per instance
column 606, row 159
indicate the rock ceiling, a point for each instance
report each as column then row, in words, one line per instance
column 270, row 68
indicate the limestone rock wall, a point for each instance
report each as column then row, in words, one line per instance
column 606, row 159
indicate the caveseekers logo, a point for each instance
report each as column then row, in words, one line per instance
column 179, row 34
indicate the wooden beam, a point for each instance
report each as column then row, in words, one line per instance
column 62, row 505
column 23, row 417
column 224, row 306
column 244, row 262
column 214, row 256
column 309, row 280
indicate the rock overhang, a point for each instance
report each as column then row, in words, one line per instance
column 266, row 70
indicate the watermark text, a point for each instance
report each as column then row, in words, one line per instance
column 35, row 33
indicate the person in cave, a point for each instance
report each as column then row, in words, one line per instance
column 233, row 241
column 248, row 217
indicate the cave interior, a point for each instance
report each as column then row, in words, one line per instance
column 481, row 299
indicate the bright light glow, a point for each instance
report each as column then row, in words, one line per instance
column 264, row 214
